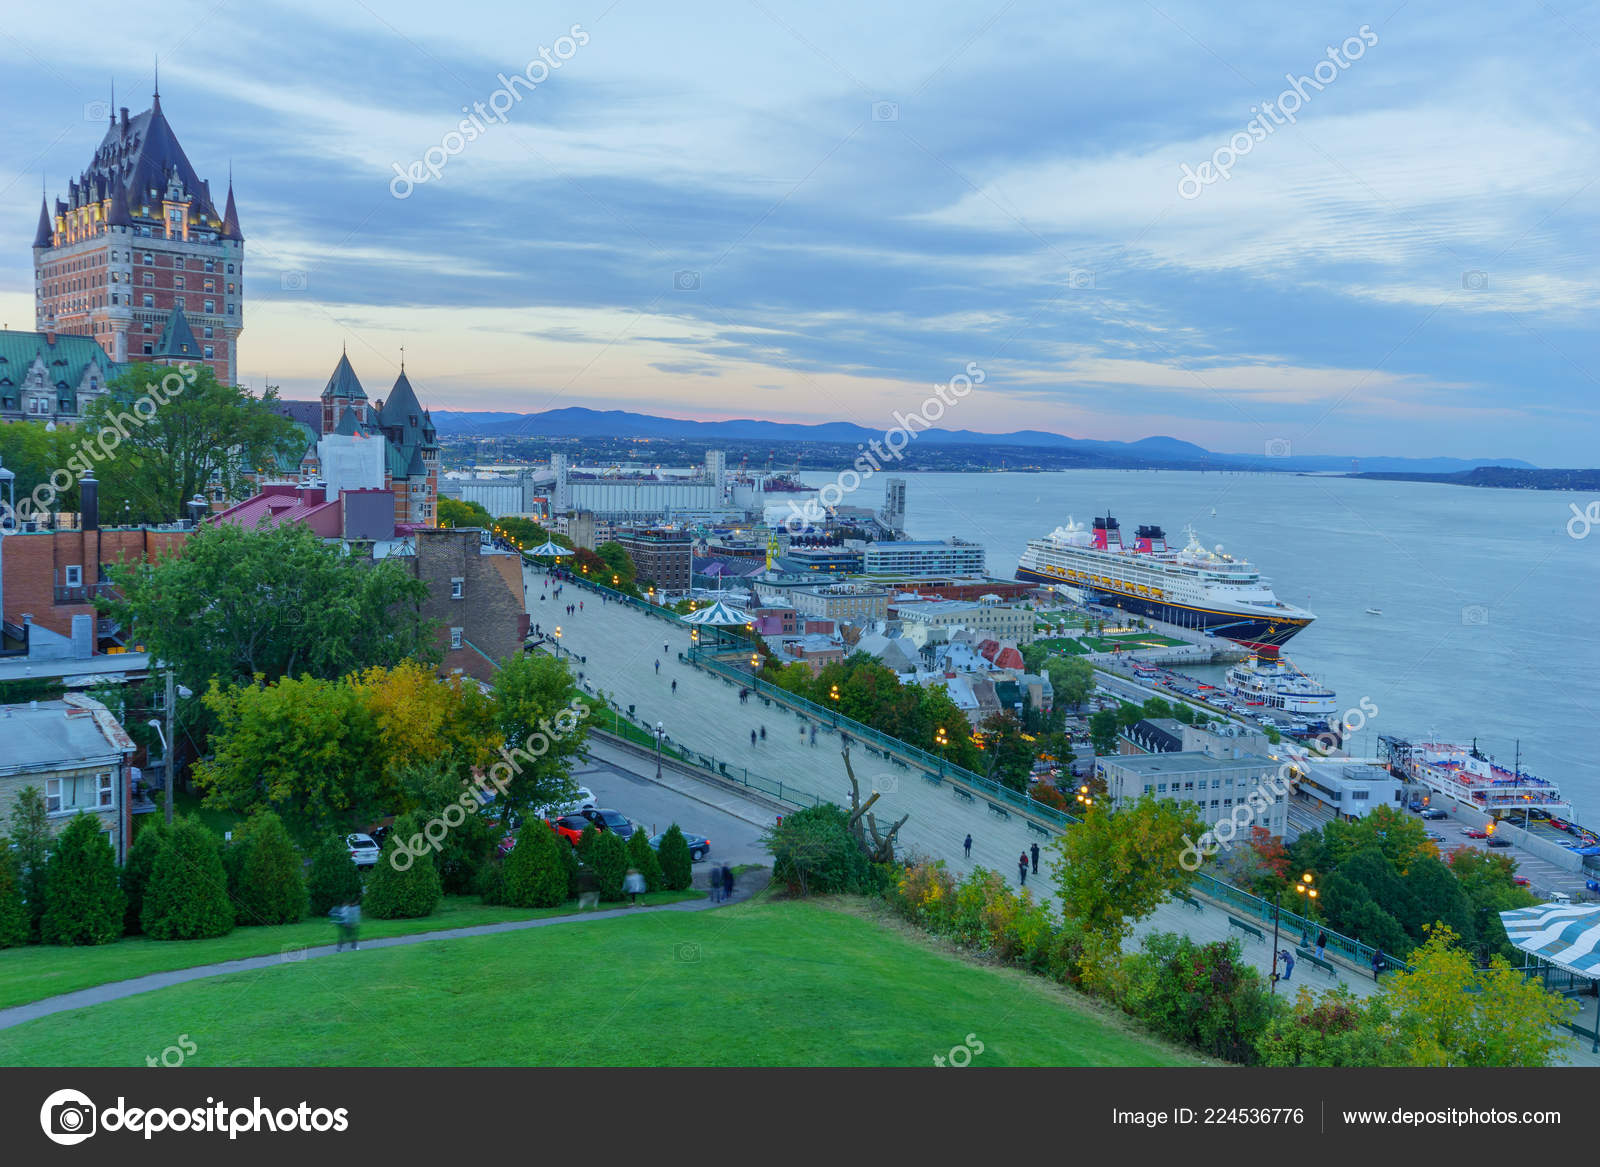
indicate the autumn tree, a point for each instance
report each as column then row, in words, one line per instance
column 1334, row 1028
column 422, row 719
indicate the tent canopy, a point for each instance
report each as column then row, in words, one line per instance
column 1566, row 935
column 549, row 548
column 719, row 615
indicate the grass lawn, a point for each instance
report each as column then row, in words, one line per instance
column 46, row 970
column 784, row 983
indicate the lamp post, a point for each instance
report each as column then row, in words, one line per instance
column 833, row 692
column 1302, row 887
column 660, row 732
column 941, row 740
column 558, row 640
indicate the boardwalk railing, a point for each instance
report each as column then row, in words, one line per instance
column 1290, row 924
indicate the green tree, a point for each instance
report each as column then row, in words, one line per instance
column 1009, row 759
column 1331, row 1029
column 642, row 856
column 14, row 922
column 272, row 602
column 609, row 859
column 455, row 512
column 1071, row 679
column 1116, row 866
column 1489, row 881
column 814, row 852
column 271, row 888
column 31, row 841
column 204, row 434
column 82, row 902
column 141, row 864
column 333, row 879
column 542, row 726
column 535, row 875
column 1204, row 995
column 677, row 865
column 620, row 565
column 1103, row 730
column 187, row 897
column 1156, row 707
column 404, row 885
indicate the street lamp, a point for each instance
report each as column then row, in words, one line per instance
column 660, row 732
column 1302, row 887
column 941, row 740
column 558, row 640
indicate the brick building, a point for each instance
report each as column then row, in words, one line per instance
column 475, row 594
column 661, row 557
column 138, row 258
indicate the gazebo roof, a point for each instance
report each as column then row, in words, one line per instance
column 719, row 614
column 1566, row 935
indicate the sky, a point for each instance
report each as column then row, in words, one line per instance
column 1133, row 219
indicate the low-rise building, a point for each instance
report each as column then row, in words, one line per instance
column 1153, row 735
column 850, row 603
column 1004, row 621
column 78, row 756
column 925, row 557
column 662, row 557
column 1350, row 787
column 1217, row 786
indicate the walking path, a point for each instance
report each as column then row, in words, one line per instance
column 116, row 990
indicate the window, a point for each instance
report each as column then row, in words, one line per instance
column 149, row 300
column 458, row 588
column 211, row 305
column 210, row 355
column 211, row 285
column 52, row 795
column 208, row 332
column 455, row 638
column 177, row 281
column 177, row 301
column 148, row 259
column 149, row 279
column 1188, row 787
column 148, row 327
column 1161, row 789
column 211, row 265
column 230, row 309
column 102, row 789
column 75, row 576
column 149, row 348
column 230, row 269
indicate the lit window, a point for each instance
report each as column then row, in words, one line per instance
column 52, row 795
column 455, row 638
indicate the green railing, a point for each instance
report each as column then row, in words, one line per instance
column 1290, row 924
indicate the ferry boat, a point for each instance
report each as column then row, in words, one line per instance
column 1277, row 684
column 1466, row 775
column 1211, row 591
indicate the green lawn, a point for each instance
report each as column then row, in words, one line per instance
column 47, row 970
column 790, row 984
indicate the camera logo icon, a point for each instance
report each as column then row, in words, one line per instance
column 68, row 1117
column 1475, row 281
column 96, row 111
column 885, row 111
column 1278, row 447
column 292, row 281
column 685, row 281
column 1079, row 278
column 686, row 953
column 1475, row 615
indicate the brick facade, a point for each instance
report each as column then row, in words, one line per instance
column 38, row 581
column 489, row 620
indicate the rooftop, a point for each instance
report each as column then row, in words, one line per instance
column 69, row 732
column 1153, row 765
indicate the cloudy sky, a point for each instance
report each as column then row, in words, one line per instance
column 815, row 211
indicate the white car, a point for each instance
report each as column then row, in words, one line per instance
column 582, row 799
column 363, row 850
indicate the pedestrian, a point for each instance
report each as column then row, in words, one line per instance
column 674, row 686
column 763, row 733
column 727, row 882
column 633, row 884
column 1022, row 869
column 658, row 668
column 1034, row 851
column 813, row 737
column 541, row 597
column 580, row 605
column 716, row 883
column 1377, row 963
column 663, row 646
column 1322, row 945
column 752, row 737
column 349, row 919
column 1288, row 964
column 966, row 848
column 802, row 733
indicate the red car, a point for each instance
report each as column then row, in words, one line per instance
column 1474, row 833
column 569, row 827
column 1519, row 881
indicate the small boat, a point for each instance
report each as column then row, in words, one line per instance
column 1374, row 611
column 1213, row 512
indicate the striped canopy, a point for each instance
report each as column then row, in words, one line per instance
column 1566, row 935
column 549, row 548
column 719, row 614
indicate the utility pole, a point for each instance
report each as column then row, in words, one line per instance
column 171, row 742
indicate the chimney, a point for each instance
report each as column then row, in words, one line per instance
column 124, row 121
column 89, row 503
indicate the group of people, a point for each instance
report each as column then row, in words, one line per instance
column 1022, row 861
column 721, row 882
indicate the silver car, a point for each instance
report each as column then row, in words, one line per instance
column 363, row 850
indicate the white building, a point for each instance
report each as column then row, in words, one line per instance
column 927, row 557
column 1003, row 621
column 1221, row 788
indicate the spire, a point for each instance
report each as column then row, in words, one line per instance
column 230, row 215
column 45, row 235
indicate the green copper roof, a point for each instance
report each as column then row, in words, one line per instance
column 344, row 382
column 66, row 363
column 177, row 339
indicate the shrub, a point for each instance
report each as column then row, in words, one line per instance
column 569, row 860
column 30, row 835
column 271, row 889
column 490, row 882
column 535, row 876
column 814, row 852
column 642, row 855
column 147, row 845
column 187, row 896
column 333, row 879
column 609, row 858
column 1333, row 1029
column 82, row 902
column 677, row 865
column 14, row 922
column 1203, row 995
column 926, row 894
column 405, row 890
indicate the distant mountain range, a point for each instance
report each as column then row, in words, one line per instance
column 578, row 422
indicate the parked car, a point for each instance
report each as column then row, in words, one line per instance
column 568, row 826
column 609, row 820
column 699, row 845
column 582, row 800
column 1434, row 812
column 1414, row 806
column 1474, row 833
column 1519, row 880
column 1498, row 841
column 1433, row 836
column 363, row 850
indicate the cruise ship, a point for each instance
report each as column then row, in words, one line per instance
column 1275, row 683
column 1207, row 590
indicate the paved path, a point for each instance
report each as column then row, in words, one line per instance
column 115, row 991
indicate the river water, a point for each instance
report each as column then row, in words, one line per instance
column 1490, row 624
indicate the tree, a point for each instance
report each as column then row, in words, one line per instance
column 619, row 564
column 542, row 727
column 642, row 857
column 1071, row 678
column 1400, row 838
column 1445, row 1012
column 187, row 897
column 1034, row 656
column 30, row 840
column 1116, row 866
column 271, row 888
column 1489, row 881
column 1331, row 1029
column 14, row 921
column 141, row 864
column 1182, row 713
column 677, row 865
column 815, row 853
column 1128, row 714
column 333, row 879
column 1103, row 730
column 204, row 434
column 535, row 875
column 1436, row 897
column 82, row 902
column 1204, row 995
column 609, row 859
column 241, row 604
column 403, row 885
column 1156, row 707
column 1010, row 758
column 455, row 512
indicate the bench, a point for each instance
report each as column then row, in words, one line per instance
column 1247, row 929
column 960, row 793
column 931, row 778
column 1312, row 958
column 999, row 811
column 1037, row 829
column 1193, row 903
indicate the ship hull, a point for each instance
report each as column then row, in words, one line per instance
column 1244, row 628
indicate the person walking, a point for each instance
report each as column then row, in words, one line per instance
column 1377, row 963
column 348, row 917
column 716, row 883
column 752, row 738
column 658, row 668
column 727, row 882
column 580, row 605
column 674, row 686
column 813, row 737
column 1034, row 852
column 633, row 883
column 763, row 733
column 664, row 649
column 1288, row 963
column 1022, row 869
column 966, row 848
column 1322, row 946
